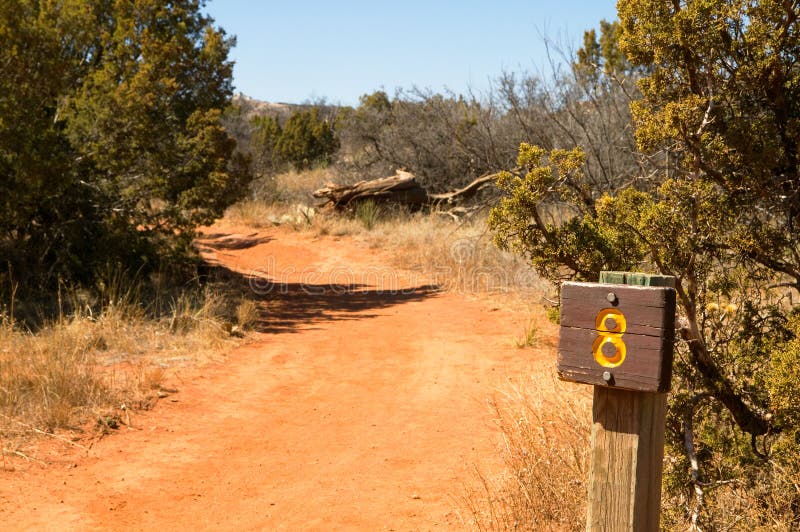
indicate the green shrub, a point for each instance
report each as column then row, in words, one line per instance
column 109, row 153
column 306, row 140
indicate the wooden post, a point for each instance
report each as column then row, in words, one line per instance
column 627, row 446
column 620, row 339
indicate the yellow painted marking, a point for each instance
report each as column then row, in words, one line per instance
column 609, row 335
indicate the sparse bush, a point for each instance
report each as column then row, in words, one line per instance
column 443, row 140
column 447, row 140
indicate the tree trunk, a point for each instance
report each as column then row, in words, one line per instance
column 401, row 188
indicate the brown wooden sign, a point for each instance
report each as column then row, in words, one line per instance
column 617, row 336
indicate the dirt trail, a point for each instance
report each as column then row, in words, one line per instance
column 360, row 406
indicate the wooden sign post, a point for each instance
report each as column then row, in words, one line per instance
column 619, row 338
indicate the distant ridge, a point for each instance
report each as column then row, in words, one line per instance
column 253, row 107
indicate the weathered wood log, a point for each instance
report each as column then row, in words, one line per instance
column 401, row 188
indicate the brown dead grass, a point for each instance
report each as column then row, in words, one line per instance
column 458, row 256
column 545, row 428
column 94, row 365
column 291, row 187
column 274, row 200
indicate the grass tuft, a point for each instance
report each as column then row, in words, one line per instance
column 247, row 314
column 368, row 213
column 530, row 337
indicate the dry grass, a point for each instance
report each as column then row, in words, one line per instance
column 260, row 214
column 281, row 200
column 255, row 213
column 457, row 255
column 545, row 448
column 336, row 225
column 82, row 368
column 247, row 314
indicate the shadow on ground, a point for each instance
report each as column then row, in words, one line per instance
column 220, row 241
column 286, row 307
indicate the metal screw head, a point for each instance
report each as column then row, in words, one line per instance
column 607, row 376
column 612, row 298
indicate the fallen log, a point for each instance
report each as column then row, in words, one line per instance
column 401, row 188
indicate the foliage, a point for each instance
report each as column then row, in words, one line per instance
column 447, row 140
column 718, row 105
column 111, row 146
column 267, row 133
column 550, row 215
column 722, row 97
column 306, row 139
column 280, row 137
column 597, row 60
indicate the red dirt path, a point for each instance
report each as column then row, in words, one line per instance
column 355, row 408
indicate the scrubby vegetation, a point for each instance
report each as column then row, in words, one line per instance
column 112, row 153
column 111, row 145
column 721, row 217
column 544, row 486
column 447, row 140
column 100, row 359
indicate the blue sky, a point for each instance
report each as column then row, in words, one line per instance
column 295, row 51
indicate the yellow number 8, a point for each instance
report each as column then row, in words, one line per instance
column 609, row 335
